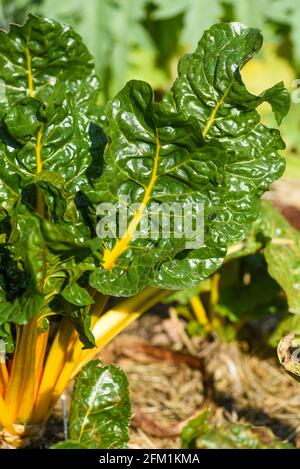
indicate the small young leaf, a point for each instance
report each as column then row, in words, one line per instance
column 77, row 295
column 42, row 53
column 100, row 409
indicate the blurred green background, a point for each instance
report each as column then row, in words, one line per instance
column 143, row 39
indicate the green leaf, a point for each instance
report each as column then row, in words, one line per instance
column 38, row 262
column 34, row 142
column 22, row 309
column 262, row 13
column 47, row 147
column 77, row 295
column 282, row 253
column 42, row 53
column 68, row 444
column 100, row 409
column 205, row 144
column 215, row 93
column 201, row 433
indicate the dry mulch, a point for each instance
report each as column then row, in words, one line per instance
column 172, row 377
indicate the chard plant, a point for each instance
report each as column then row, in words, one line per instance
column 62, row 155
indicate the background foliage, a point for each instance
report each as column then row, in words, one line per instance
column 143, row 39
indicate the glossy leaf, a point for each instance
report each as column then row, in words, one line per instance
column 204, row 144
column 77, row 295
column 42, row 53
column 100, row 409
column 39, row 262
column 43, row 145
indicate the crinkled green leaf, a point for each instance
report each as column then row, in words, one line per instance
column 100, row 409
column 200, row 432
column 68, row 444
column 39, row 261
column 77, row 295
column 49, row 148
column 204, row 144
column 42, row 144
column 251, row 301
column 210, row 87
column 42, row 53
column 264, row 13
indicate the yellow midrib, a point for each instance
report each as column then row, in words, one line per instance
column 38, row 146
column 38, row 149
column 213, row 114
column 110, row 256
column 29, row 71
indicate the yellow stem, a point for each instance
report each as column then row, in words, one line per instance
column 199, row 310
column 65, row 348
column 214, row 292
column 20, row 390
column 62, row 343
column 105, row 329
column 214, row 112
column 41, row 347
